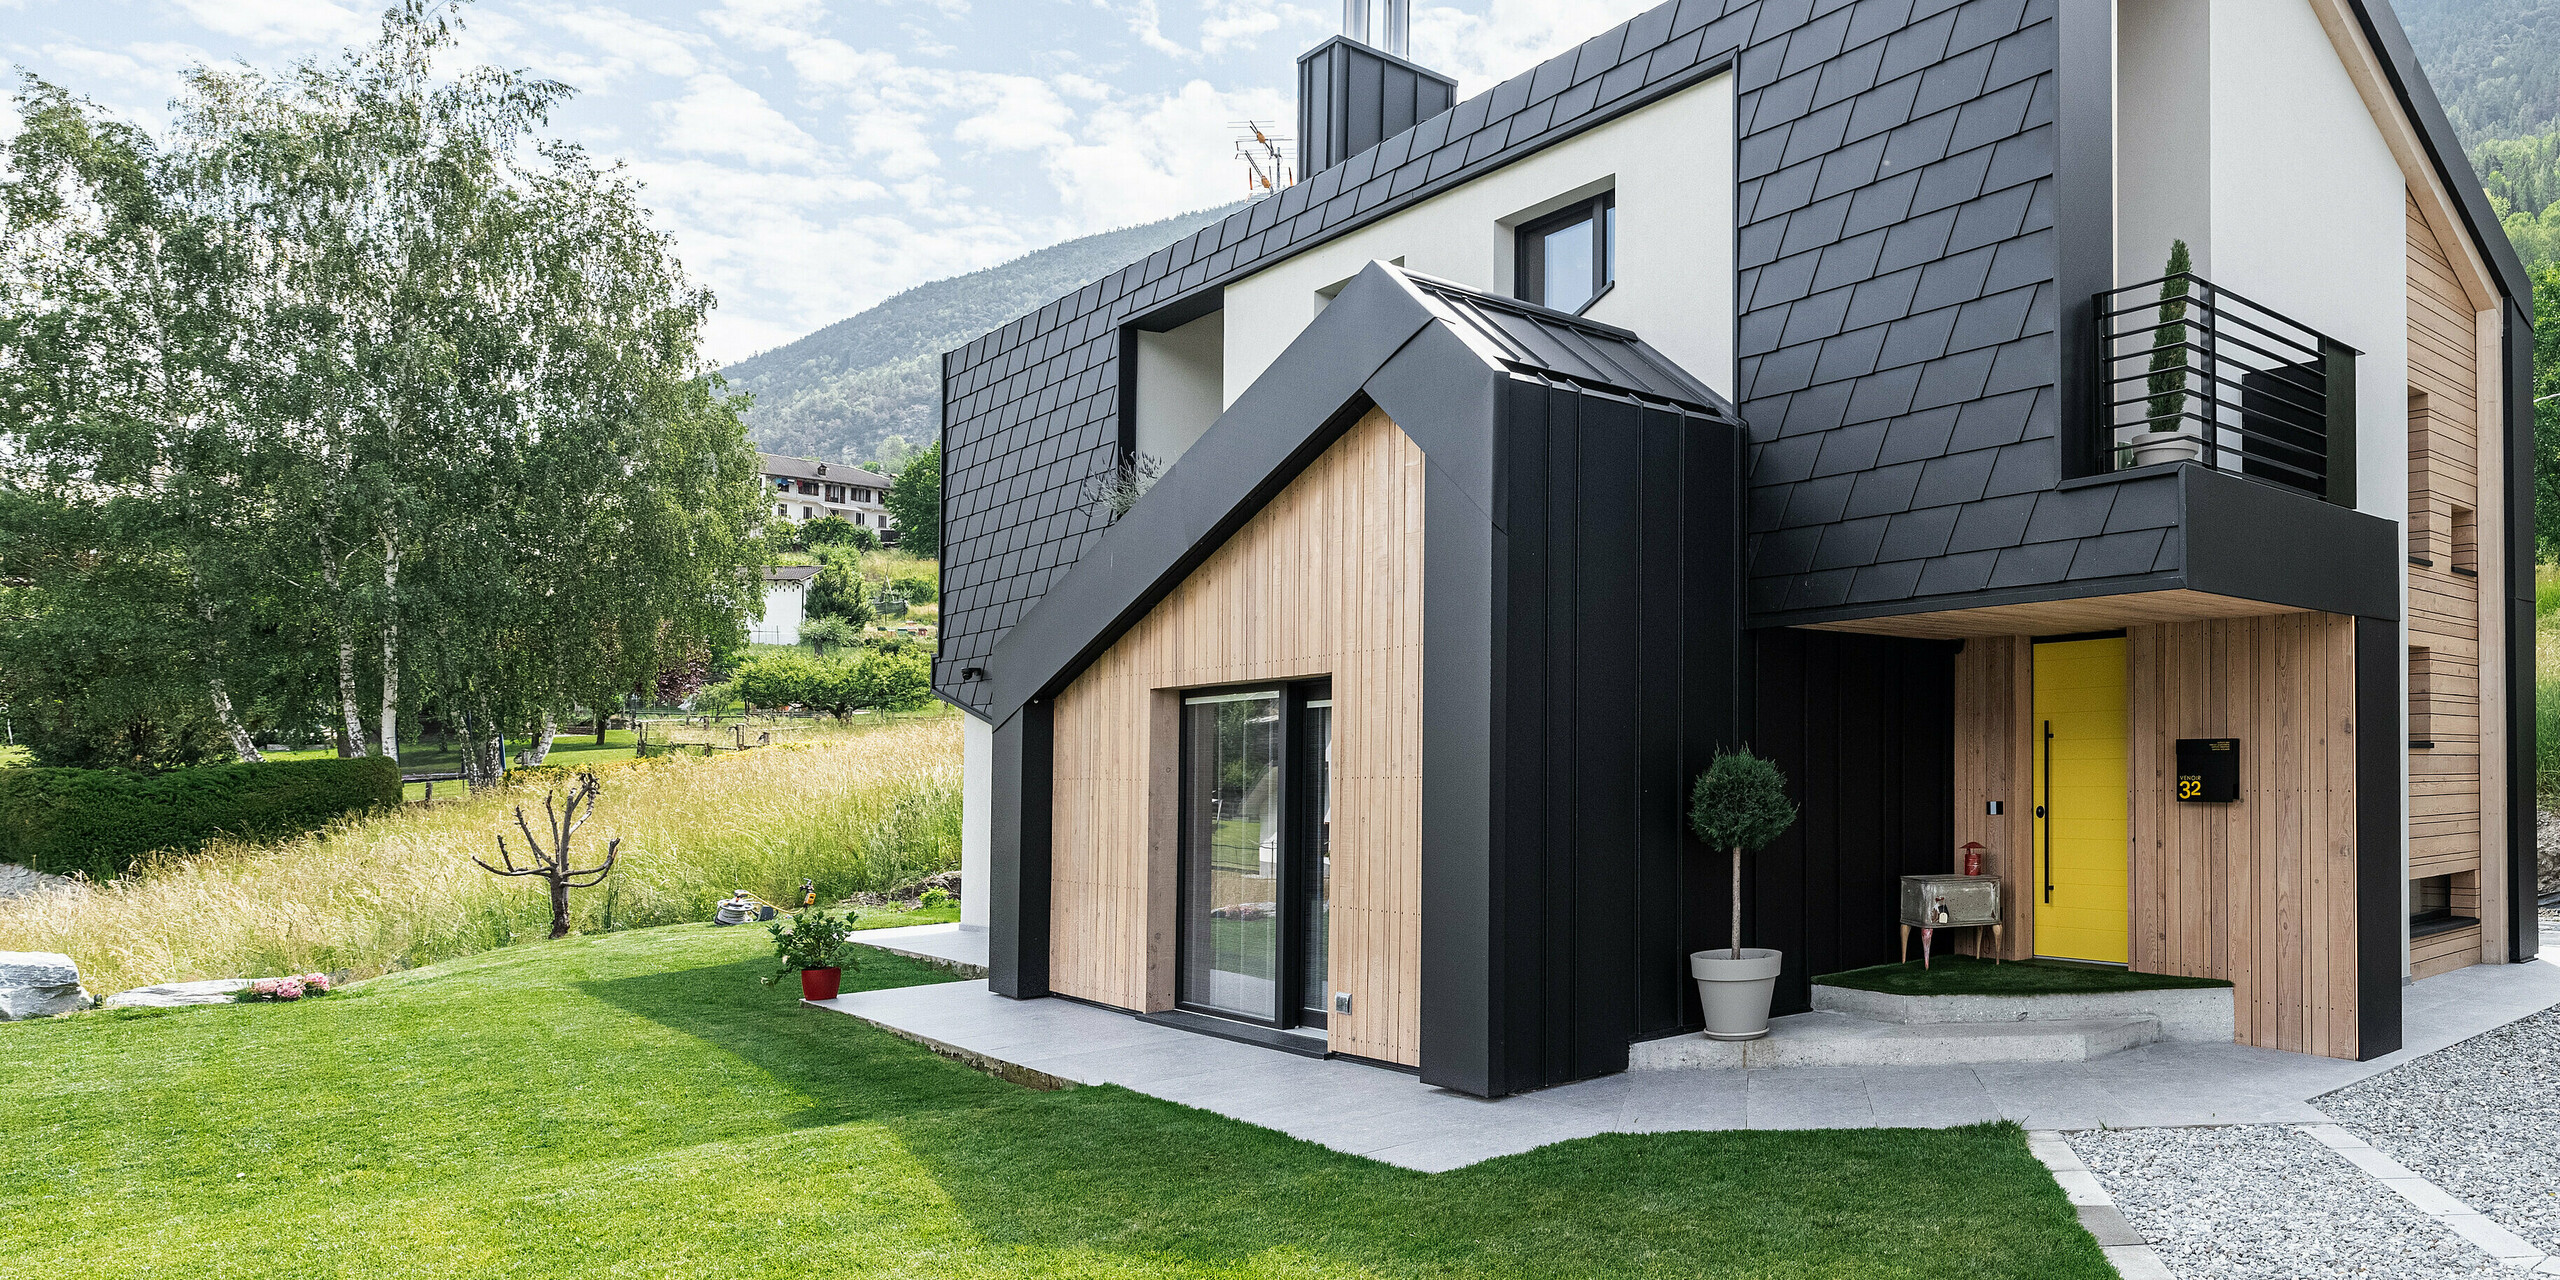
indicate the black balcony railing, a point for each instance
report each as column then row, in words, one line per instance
column 2192, row 372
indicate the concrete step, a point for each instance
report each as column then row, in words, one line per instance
column 1823, row 1039
column 2198, row 1015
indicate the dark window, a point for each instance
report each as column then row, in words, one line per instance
column 809, row 487
column 1570, row 257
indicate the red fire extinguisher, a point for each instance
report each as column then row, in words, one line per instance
column 1973, row 857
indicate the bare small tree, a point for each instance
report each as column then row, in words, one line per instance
column 554, row 864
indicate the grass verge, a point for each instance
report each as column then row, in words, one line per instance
column 1966, row 976
column 635, row 1104
column 865, row 813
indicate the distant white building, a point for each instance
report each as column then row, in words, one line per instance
column 786, row 599
column 803, row 489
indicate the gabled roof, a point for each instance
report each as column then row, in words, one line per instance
column 791, row 573
column 1429, row 353
column 1529, row 338
column 776, row 464
column 2444, row 146
column 1660, row 51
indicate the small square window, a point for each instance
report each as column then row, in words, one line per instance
column 1568, row 258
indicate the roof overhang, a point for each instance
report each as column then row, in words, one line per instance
column 1431, row 354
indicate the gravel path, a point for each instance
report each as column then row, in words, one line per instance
column 2267, row 1201
column 15, row 880
column 2480, row 1119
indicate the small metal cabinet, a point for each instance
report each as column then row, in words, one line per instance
column 1950, row 901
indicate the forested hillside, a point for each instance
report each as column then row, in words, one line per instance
column 841, row 393
column 2495, row 65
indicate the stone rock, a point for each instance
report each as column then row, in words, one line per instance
column 39, row 984
column 172, row 995
column 16, row 880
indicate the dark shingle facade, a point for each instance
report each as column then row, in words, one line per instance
column 1895, row 285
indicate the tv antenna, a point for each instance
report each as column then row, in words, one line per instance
column 1266, row 166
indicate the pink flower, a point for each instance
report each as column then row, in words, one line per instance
column 318, row 982
column 264, row 988
column 289, row 989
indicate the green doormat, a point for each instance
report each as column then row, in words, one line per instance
column 1966, row 976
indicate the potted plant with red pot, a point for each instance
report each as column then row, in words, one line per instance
column 1740, row 804
column 819, row 948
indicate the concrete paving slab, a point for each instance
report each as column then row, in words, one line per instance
column 955, row 947
column 1392, row 1116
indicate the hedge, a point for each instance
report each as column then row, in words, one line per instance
column 97, row 821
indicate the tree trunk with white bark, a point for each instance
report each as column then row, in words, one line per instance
column 390, row 647
column 346, row 655
column 241, row 743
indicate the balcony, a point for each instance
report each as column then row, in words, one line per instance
column 2192, row 372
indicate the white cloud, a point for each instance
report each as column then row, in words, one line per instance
column 276, row 22
column 1509, row 36
column 656, row 49
column 1152, row 157
column 719, row 116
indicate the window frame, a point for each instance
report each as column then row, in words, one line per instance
column 1290, row 955
column 1529, row 258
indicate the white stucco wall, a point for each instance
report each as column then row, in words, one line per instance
column 977, row 818
column 1671, row 165
column 2309, row 215
column 781, row 622
column 2164, row 144
column 1180, row 381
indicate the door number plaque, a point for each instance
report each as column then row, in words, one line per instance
column 2208, row 770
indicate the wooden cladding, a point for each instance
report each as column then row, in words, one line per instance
column 2261, row 892
column 2448, row 828
column 1994, row 752
column 1324, row 581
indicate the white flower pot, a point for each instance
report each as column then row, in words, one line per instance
column 2151, row 448
column 1735, row 993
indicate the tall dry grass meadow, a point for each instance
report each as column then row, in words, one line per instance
column 860, row 813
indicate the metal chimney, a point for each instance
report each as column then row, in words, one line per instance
column 1353, row 95
column 1399, row 24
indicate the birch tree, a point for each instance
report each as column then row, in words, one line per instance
column 400, row 387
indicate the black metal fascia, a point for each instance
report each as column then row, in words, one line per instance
column 2523, row 923
column 1307, row 398
column 2417, row 97
column 2382, row 920
column 2259, row 541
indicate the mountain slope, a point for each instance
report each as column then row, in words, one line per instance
column 841, row 392
column 2495, row 64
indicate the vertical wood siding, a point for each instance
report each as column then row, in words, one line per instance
column 1325, row 581
column 1994, row 760
column 2261, row 892
column 2445, row 527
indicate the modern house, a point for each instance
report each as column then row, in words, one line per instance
column 805, row 489
column 1785, row 372
column 786, row 605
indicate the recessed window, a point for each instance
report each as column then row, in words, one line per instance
column 1568, row 258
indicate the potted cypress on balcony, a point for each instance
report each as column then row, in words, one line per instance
column 1739, row 804
column 2167, row 439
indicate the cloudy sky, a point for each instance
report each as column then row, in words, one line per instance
column 815, row 156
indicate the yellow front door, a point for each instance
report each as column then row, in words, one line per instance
column 2080, row 800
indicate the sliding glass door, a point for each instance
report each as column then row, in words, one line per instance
column 1255, row 766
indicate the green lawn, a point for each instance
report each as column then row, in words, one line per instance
column 1966, row 976
column 12, row 755
column 635, row 1104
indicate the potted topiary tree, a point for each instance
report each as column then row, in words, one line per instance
column 1740, row 804
column 818, row 947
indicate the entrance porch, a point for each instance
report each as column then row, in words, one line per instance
column 2285, row 880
